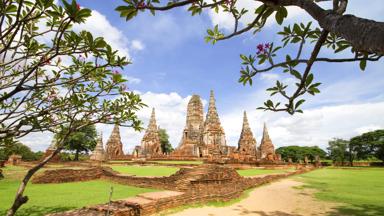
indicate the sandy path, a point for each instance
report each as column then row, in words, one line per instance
column 275, row 199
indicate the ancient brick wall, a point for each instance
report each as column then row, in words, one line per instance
column 219, row 187
column 71, row 175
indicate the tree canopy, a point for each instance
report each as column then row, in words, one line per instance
column 361, row 40
column 52, row 76
column 166, row 146
column 81, row 140
column 297, row 153
column 369, row 144
column 10, row 146
column 338, row 150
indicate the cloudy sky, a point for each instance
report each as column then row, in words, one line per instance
column 171, row 62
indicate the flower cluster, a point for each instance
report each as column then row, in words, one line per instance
column 45, row 61
column 263, row 48
column 228, row 2
column 141, row 5
column 78, row 6
column 123, row 87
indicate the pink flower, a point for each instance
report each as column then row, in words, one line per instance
column 78, row 6
column 260, row 48
column 267, row 45
column 141, row 5
column 123, row 87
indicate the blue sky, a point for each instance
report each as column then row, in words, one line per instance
column 171, row 62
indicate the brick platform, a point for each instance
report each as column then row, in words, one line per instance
column 199, row 184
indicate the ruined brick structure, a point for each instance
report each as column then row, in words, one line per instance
column 14, row 159
column 98, row 153
column 51, row 148
column 191, row 142
column 247, row 143
column 213, row 133
column 114, row 144
column 267, row 150
column 202, row 138
column 150, row 144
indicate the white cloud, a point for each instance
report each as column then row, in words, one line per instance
column 137, row 45
column 132, row 80
column 99, row 26
column 170, row 114
column 269, row 76
column 314, row 127
column 367, row 128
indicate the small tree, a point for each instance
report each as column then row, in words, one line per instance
column 166, row 146
column 81, row 140
column 52, row 77
column 338, row 150
column 370, row 144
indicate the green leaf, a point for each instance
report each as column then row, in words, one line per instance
column 296, row 74
column 363, row 64
column 309, row 80
column 281, row 13
column 296, row 29
column 298, row 103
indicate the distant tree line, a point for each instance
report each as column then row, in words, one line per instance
column 367, row 146
column 11, row 146
column 297, row 153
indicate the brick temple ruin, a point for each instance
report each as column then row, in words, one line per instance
column 114, row 144
column 201, row 138
column 98, row 153
column 150, row 144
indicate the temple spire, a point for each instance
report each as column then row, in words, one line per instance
column 150, row 144
column 247, row 143
column 152, row 121
column 99, row 143
column 265, row 132
column 212, row 115
column 114, row 144
column 245, row 121
column 53, row 146
column 98, row 153
column 266, row 146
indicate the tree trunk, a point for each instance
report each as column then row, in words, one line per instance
column 350, row 155
column 363, row 34
column 77, row 155
column 20, row 199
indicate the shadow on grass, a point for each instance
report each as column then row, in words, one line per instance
column 243, row 211
column 358, row 210
column 38, row 210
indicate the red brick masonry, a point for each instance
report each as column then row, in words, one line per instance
column 189, row 185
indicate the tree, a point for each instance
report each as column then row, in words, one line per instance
column 166, row 146
column 338, row 150
column 370, row 144
column 83, row 139
column 336, row 31
column 52, row 76
column 10, row 146
column 297, row 153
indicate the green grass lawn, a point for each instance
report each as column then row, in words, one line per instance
column 48, row 198
column 145, row 170
column 178, row 162
column 255, row 172
column 360, row 189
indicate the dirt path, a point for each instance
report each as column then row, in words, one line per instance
column 275, row 199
